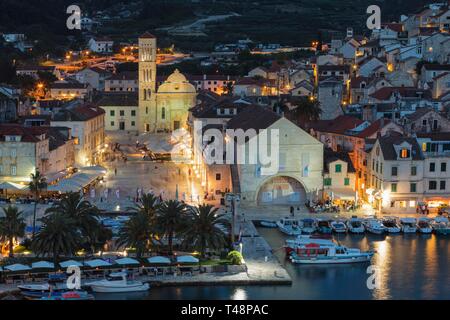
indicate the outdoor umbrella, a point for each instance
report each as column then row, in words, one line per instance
column 42, row 265
column 187, row 259
column 17, row 267
column 127, row 261
column 69, row 263
column 159, row 260
column 11, row 186
column 97, row 263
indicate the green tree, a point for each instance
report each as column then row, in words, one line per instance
column 306, row 110
column 137, row 232
column 83, row 213
column 12, row 226
column 36, row 185
column 206, row 229
column 58, row 236
column 147, row 204
column 171, row 219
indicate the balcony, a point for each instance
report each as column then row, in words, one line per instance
column 437, row 154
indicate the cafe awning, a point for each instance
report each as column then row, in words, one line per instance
column 42, row 265
column 68, row 263
column 343, row 194
column 6, row 185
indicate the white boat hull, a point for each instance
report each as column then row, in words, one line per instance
column 409, row 230
column 332, row 260
column 425, row 230
column 393, row 230
column 376, row 231
column 116, row 289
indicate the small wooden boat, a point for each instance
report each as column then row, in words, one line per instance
column 324, row 226
column 375, row 226
column 409, row 225
column 391, row 225
column 338, row 227
column 355, row 225
column 441, row 226
column 424, row 225
column 69, row 295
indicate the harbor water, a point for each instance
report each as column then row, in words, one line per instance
column 408, row 266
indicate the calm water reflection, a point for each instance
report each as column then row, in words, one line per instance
column 410, row 266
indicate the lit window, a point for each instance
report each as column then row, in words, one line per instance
column 404, row 153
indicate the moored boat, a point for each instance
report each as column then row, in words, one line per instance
column 308, row 226
column 323, row 251
column 289, row 226
column 441, row 225
column 338, row 227
column 408, row 225
column 424, row 225
column 69, row 295
column 375, row 226
column 391, row 225
column 355, row 225
column 324, row 226
column 117, row 282
column 268, row 224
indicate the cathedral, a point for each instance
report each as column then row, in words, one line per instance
column 166, row 108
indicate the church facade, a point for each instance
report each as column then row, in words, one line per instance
column 162, row 109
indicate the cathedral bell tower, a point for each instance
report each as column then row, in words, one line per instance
column 147, row 83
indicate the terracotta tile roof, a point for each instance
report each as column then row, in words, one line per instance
column 147, row 35
column 340, row 125
column 405, row 92
column 122, row 99
column 387, row 144
column 28, row 134
column 373, row 128
column 253, row 117
column 397, row 27
column 331, row 156
column 80, row 113
column 127, row 75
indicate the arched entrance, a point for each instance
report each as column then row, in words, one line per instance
column 281, row 191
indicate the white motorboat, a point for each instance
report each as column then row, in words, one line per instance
column 293, row 244
column 375, row 226
column 117, row 282
column 391, row 225
column 309, row 250
column 355, row 225
column 338, row 227
column 441, row 225
column 408, row 225
column 289, row 226
column 424, row 225
column 308, row 225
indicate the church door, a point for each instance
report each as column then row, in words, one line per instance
column 176, row 125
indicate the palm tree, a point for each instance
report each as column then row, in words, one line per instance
column 36, row 185
column 82, row 212
column 137, row 232
column 171, row 219
column 148, row 204
column 307, row 110
column 58, row 236
column 206, row 229
column 12, row 225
